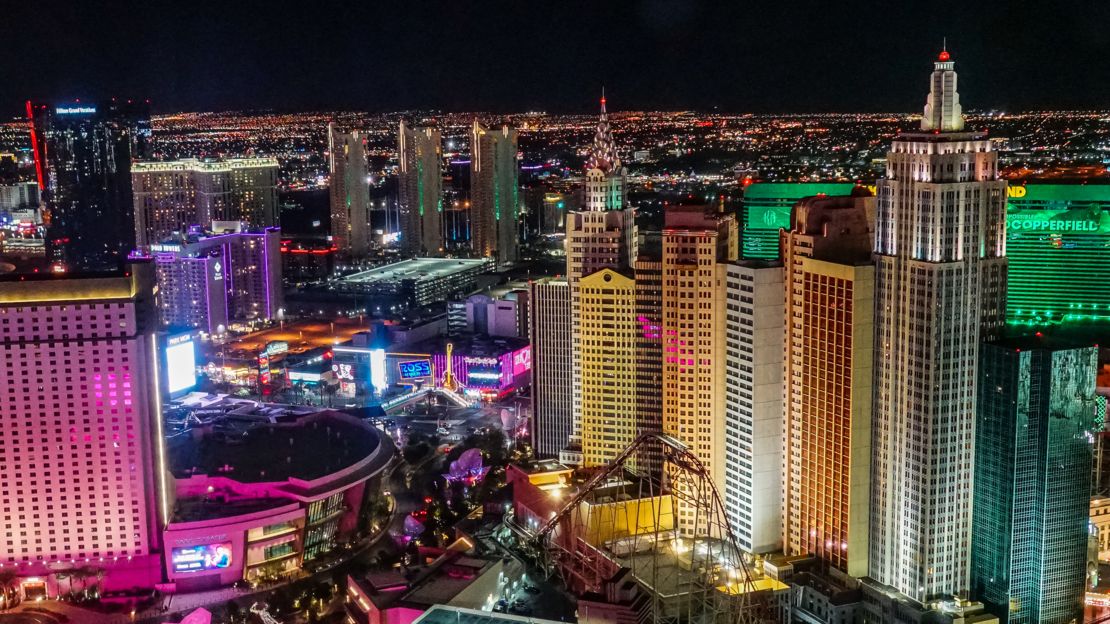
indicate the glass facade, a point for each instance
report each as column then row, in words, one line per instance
column 83, row 155
column 766, row 209
column 1032, row 480
column 1058, row 241
column 323, row 523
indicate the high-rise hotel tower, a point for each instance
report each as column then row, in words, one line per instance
column 349, row 192
column 940, row 291
column 420, row 189
column 830, row 316
column 603, row 236
column 80, row 429
column 494, row 193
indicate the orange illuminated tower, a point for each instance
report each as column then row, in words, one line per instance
column 830, row 315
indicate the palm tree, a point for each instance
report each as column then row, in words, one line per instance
column 7, row 589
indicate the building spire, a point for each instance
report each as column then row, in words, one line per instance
column 943, row 112
column 603, row 152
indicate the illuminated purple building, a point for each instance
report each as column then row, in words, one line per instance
column 209, row 281
column 80, row 431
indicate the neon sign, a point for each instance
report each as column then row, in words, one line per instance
column 1085, row 225
column 415, row 368
column 522, row 361
column 344, row 371
column 75, row 110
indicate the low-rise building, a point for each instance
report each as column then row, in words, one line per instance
column 260, row 490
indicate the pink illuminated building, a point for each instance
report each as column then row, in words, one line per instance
column 79, row 430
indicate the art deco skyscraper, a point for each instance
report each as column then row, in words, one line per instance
column 940, row 291
column 830, row 314
column 494, row 193
column 349, row 192
column 83, row 155
column 601, row 237
column 607, row 356
column 420, row 190
column 697, row 245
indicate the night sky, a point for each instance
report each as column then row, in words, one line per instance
column 514, row 55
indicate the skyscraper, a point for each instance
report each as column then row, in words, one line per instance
column 697, row 245
column 607, row 331
column 494, row 193
column 753, row 403
column 830, row 314
column 601, row 237
column 349, row 192
column 1032, row 479
column 552, row 355
column 648, row 272
column 210, row 280
column 940, row 290
column 420, row 190
column 171, row 196
column 80, row 429
column 83, row 155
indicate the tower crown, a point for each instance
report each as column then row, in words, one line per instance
column 943, row 112
column 603, row 152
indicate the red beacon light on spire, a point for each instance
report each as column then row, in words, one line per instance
column 944, row 56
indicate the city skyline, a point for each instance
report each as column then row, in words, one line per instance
column 612, row 366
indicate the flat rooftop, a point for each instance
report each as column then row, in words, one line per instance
column 308, row 449
column 301, row 336
column 415, row 269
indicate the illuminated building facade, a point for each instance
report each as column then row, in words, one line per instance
column 171, row 196
column 83, row 155
column 420, row 189
column 648, row 271
column 940, row 290
column 603, row 236
column 830, row 316
column 80, row 430
column 1057, row 234
column 605, row 176
column 766, row 210
column 697, row 245
column 348, row 192
column 494, row 193
column 209, row 281
column 753, row 403
column 552, row 355
column 607, row 358
column 1032, row 479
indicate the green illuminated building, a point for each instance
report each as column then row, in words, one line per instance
column 1058, row 245
column 766, row 209
column 1032, row 479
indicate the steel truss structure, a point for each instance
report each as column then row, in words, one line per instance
column 670, row 531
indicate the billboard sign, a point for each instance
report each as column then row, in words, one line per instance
column 522, row 361
column 181, row 363
column 201, row 557
column 415, row 369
